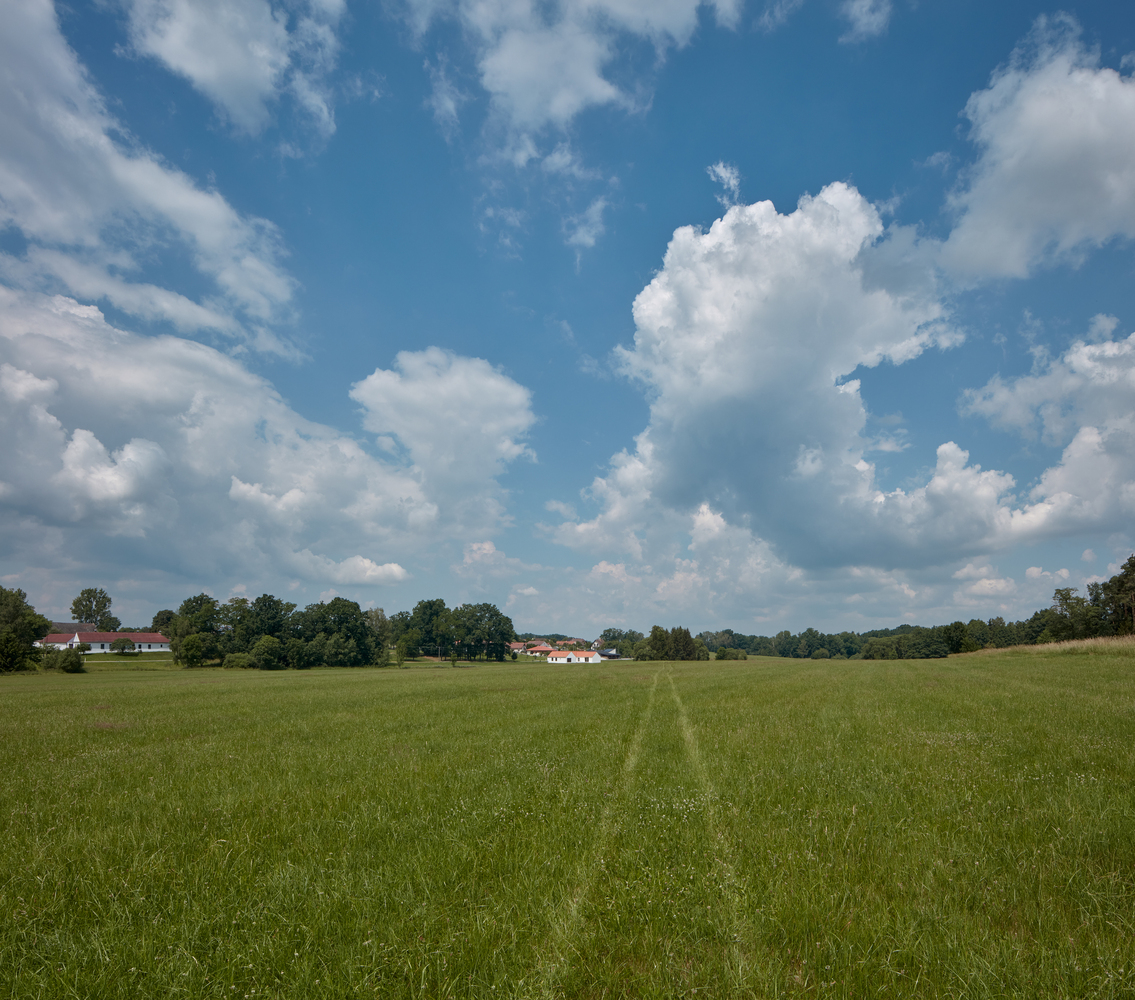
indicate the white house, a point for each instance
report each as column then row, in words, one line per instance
column 574, row 656
column 144, row 642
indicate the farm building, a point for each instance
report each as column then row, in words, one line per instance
column 144, row 642
column 573, row 656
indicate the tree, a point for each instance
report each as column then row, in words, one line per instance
column 162, row 621
column 379, row 626
column 192, row 650
column 432, row 620
column 1074, row 616
column 681, row 645
column 268, row 653
column 659, row 643
column 21, row 627
column 93, row 606
column 201, row 613
column 122, row 646
column 621, row 640
column 482, row 628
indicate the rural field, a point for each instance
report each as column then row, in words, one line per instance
column 760, row 828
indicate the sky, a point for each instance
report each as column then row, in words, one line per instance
column 750, row 315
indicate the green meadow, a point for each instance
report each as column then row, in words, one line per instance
column 760, row 828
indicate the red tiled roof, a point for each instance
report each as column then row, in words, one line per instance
column 134, row 637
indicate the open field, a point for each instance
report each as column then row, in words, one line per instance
column 930, row 828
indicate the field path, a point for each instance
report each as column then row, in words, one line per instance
column 722, row 854
column 565, row 926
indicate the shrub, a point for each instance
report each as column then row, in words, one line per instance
column 820, row 654
column 268, row 653
column 238, row 660
column 70, row 661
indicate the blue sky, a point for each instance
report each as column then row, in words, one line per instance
column 611, row 313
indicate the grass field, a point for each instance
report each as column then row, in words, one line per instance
column 766, row 828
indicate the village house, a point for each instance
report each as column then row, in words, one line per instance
column 144, row 642
column 574, row 656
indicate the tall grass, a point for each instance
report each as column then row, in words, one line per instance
column 958, row 828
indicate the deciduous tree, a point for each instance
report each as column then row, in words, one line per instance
column 93, row 606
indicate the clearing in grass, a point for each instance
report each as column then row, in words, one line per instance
column 931, row 828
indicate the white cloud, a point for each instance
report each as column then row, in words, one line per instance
column 94, row 206
column 729, row 177
column 445, row 98
column 242, row 54
column 777, row 13
column 585, row 230
column 162, row 453
column 459, row 422
column 1056, row 171
column 868, row 18
column 544, row 64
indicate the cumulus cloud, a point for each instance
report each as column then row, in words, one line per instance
column 544, row 64
column 457, row 422
column 243, row 54
column 1056, row 170
column 744, row 343
column 162, row 453
column 95, row 207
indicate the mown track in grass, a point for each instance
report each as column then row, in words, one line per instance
column 759, row 828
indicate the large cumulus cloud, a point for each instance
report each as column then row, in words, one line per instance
column 160, row 453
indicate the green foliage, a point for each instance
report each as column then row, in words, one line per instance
column 238, row 661
column 407, row 646
column 725, row 653
column 268, row 653
column 162, row 621
column 379, row 626
column 192, row 650
column 68, row 661
column 122, row 646
column 482, row 630
column 93, row 606
column 622, row 640
column 658, row 643
column 681, row 645
column 20, row 628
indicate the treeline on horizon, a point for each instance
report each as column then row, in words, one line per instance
column 272, row 634
column 1107, row 609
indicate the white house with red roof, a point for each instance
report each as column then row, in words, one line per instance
column 144, row 642
column 540, row 650
column 574, row 656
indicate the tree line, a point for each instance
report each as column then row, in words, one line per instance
column 661, row 644
column 1107, row 609
column 272, row 634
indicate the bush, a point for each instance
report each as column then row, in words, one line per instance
column 123, row 646
column 238, row 660
column 725, row 653
column 268, row 653
column 70, row 661
column 820, row 654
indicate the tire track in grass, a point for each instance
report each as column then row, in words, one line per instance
column 721, row 852
column 565, row 927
